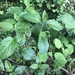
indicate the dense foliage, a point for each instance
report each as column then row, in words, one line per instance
column 37, row 37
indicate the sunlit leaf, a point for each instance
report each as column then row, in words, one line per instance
column 50, row 54
column 70, row 48
column 27, row 2
column 73, row 41
column 57, row 43
column 65, row 52
column 60, row 59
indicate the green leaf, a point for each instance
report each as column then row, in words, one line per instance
column 58, row 72
column 63, row 39
column 22, row 27
column 38, row 59
column 21, row 38
column 70, row 48
column 12, row 21
column 7, row 47
column 41, row 72
column 31, row 15
column 48, row 5
column 8, row 66
column 68, row 20
column 50, row 54
column 41, row 57
column 15, row 10
column 13, row 73
column 38, row 1
column 57, row 43
column 43, row 44
column 54, row 25
column 65, row 52
column 20, row 69
column 16, row 17
column 37, row 28
column 73, row 41
column 28, row 53
column 6, row 26
column 60, row 59
column 44, row 15
column 28, row 33
column 60, row 1
column 1, row 66
column 27, row 2
column 44, row 66
column 34, row 66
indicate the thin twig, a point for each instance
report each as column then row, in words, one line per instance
column 66, row 71
column 73, row 70
column 11, row 60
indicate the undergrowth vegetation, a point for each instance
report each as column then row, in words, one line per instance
column 37, row 37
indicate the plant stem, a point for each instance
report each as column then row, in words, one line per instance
column 66, row 71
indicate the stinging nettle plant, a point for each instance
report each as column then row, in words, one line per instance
column 40, row 44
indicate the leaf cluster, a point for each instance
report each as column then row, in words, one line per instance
column 38, row 39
